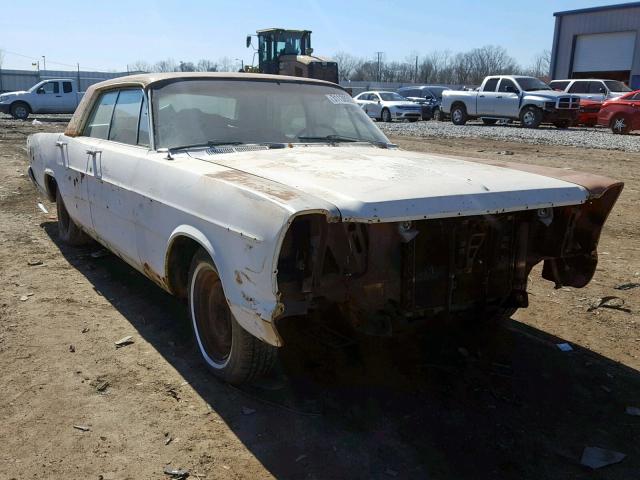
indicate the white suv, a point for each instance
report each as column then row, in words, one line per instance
column 594, row 89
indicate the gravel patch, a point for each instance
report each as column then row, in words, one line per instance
column 597, row 137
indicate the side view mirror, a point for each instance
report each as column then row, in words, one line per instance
column 378, row 102
column 248, row 41
column 40, row 91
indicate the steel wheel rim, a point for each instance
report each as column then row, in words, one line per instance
column 21, row 111
column 528, row 118
column 457, row 115
column 211, row 316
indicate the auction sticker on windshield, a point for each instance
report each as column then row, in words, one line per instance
column 339, row 98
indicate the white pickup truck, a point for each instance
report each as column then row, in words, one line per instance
column 49, row 96
column 527, row 99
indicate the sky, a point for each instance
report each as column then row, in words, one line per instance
column 110, row 35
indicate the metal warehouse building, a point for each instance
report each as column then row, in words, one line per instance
column 599, row 42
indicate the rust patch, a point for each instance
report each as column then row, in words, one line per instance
column 255, row 183
column 148, row 271
column 238, row 278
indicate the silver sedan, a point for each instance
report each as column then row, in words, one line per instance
column 388, row 106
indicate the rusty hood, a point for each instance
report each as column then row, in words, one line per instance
column 369, row 184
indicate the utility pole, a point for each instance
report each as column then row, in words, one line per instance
column 379, row 54
column 415, row 79
column 78, row 86
column 44, row 63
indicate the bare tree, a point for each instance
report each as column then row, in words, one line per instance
column 541, row 66
column 168, row 65
column 139, row 66
column 205, row 65
column 225, row 64
column 347, row 64
column 186, row 67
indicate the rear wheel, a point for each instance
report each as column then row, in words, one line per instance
column 386, row 115
column 489, row 121
column 437, row 115
column 68, row 230
column 459, row 115
column 531, row 117
column 20, row 110
column 620, row 125
column 228, row 350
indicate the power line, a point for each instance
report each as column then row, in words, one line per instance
column 49, row 61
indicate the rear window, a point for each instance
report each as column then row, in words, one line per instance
column 490, row 85
column 66, row 87
column 98, row 125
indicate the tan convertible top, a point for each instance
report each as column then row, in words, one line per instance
column 147, row 79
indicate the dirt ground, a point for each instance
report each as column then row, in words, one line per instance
column 450, row 403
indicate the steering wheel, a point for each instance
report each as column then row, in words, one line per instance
column 317, row 131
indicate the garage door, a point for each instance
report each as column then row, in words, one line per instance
column 604, row 52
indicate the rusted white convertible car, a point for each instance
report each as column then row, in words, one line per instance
column 261, row 197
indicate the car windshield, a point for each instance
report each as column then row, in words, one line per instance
column 616, row 86
column 222, row 111
column 392, row 97
column 437, row 91
column 529, row 84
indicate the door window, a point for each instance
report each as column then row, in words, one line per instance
column 124, row 124
column 143, row 126
column 596, row 87
column 490, row 85
column 559, row 85
column 66, row 87
column 579, row 87
column 51, row 87
column 98, row 124
column 507, row 86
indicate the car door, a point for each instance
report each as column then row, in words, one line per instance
column 76, row 159
column 580, row 88
column 596, row 91
column 508, row 99
column 375, row 106
column 363, row 101
column 633, row 107
column 113, row 195
column 486, row 102
column 69, row 99
column 48, row 96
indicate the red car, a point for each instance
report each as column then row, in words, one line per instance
column 588, row 113
column 621, row 114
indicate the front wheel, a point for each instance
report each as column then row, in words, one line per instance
column 386, row 115
column 620, row 125
column 459, row 115
column 437, row 115
column 228, row 350
column 20, row 111
column 68, row 230
column 531, row 117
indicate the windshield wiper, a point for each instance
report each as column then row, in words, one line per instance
column 219, row 143
column 345, row 139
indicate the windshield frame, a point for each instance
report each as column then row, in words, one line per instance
column 152, row 88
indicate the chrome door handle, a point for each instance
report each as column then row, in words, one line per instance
column 500, row 96
column 58, row 96
column 61, row 144
column 93, row 152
